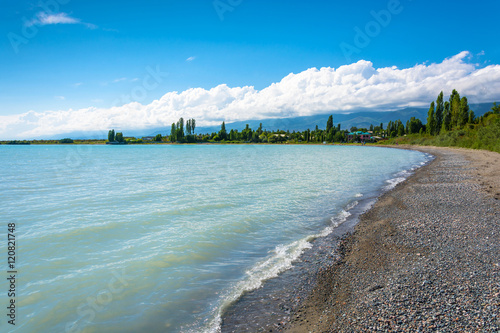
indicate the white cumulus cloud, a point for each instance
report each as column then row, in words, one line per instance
column 358, row 86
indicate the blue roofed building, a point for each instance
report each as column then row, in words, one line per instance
column 359, row 135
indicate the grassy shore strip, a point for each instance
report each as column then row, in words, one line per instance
column 425, row 258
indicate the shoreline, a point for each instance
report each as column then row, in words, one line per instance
column 270, row 306
column 406, row 266
column 424, row 258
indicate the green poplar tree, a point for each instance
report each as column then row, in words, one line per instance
column 111, row 135
column 454, row 108
column 439, row 112
column 222, row 132
column 173, row 133
column 249, row 134
column 401, row 130
column 329, row 124
column 431, row 121
column 193, row 125
column 471, row 117
column 463, row 117
column 180, row 129
column 446, row 118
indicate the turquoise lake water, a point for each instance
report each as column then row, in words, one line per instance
column 163, row 238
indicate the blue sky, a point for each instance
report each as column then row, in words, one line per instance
column 68, row 55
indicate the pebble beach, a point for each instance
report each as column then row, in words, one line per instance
column 425, row 258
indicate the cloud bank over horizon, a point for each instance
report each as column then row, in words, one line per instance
column 358, row 86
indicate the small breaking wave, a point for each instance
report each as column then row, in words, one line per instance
column 392, row 183
column 282, row 259
column 403, row 175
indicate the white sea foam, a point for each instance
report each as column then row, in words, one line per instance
column 391, row 183
column 403, row 175
column 352, row 205
column 282, row 259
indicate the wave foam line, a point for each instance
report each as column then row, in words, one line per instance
column 279, row 262
column 403, row 175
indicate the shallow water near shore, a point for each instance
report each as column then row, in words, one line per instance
column 166, row 238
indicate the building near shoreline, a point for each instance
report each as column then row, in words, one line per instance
column 359, row 135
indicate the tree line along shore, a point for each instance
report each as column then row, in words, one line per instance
column 449, row 123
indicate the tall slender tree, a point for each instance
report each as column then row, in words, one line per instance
column 401, row 130
column 431, row 121
column 446, row 118
column 439, row 112
column 453, row 94
column 173, row 133
column 454, row 108
column 463, row 117
column 180, row 129
column 471, row 117
column 193, row 125
column 111, row 135
column 222, row 132
column 329, row 124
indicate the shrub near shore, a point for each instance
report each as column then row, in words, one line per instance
column 485, row 135
column 450, row 124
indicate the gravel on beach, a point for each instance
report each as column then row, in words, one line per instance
column 425, row 258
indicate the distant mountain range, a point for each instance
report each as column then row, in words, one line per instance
column 361, row 119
